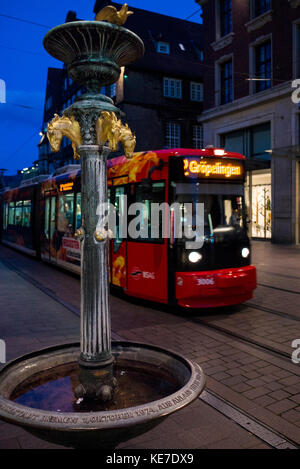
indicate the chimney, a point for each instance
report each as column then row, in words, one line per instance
column 99, row 4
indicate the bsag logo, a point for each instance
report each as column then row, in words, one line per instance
column 137, row 274
column 150, row 275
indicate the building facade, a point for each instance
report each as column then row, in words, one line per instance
column 161, row 95
column 251, row 57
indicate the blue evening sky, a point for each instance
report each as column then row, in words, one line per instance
column 24, row 63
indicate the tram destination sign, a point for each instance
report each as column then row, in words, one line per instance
column 213, row 168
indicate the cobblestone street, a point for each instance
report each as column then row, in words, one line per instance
column 252, row 395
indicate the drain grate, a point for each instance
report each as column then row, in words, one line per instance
column 260, row 430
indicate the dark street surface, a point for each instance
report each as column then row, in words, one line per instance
column 252, row 396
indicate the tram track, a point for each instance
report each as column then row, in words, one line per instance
column 203, row 322
column 28, row 278
column 265, row 309
column 278, row 288
column 221, row 329
column 250, row 340
column 244, row 339
column 276, row 274
column 253, row 425
column 262, row 431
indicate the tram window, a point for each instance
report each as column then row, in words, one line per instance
column 5, row 215
column 78, row 211
column 119, row 208
column 11, row 213
column 233, row 211
column 220, row 210
column 155, row 195
column 18, row 213
column 52, row 216
column 47, row 210
column 26, row 213
column 65, row 214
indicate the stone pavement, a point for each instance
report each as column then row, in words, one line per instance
column 261, row 384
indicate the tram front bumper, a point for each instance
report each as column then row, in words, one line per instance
column 215, row 288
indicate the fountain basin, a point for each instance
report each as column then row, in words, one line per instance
column 94, row 51
column 146, row 371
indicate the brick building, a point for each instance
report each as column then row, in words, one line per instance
column 161, row 94
column 251, row 56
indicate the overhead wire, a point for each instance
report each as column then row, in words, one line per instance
column 15, row 18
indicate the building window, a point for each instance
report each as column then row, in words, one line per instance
column 226, row 82
column 172, row 135
column 259, row 7
column 113, row 90
column 49, row 103
column 43, row 150
column 253, row 142
column 198, row 136
column 225, row 17
column 296, row 49
column 172, row 88
column 261, row 141
column 196, row 91
column 163, row 47
column 263, row 66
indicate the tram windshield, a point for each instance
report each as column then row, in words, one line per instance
column 216, row 183
column 223, row 205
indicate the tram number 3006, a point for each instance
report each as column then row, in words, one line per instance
column 205, row 281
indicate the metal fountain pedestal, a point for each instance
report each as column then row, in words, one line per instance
column 95, row 318
column 94, row 51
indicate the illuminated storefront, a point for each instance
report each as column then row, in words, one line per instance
column 255, row 142
column 259, row 203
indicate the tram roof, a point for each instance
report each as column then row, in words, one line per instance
column 215, row 152
column 173, row 152
column 120, row 160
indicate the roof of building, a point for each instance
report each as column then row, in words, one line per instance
column 12, row 181
column 184, row 39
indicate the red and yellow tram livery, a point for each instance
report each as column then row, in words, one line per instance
column 160, row 268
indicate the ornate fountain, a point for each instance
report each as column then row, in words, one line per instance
column 96, row 393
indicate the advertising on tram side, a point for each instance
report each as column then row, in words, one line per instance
column 179, row 234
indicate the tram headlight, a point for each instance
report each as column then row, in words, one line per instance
column 245, row 253
column 195, row 257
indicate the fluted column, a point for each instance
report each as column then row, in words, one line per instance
column 95, row 317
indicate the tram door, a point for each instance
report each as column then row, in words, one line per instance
column 49, row 251
column 147, row 251
column 118, row 269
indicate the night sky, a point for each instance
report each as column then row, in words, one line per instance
column 24, row 64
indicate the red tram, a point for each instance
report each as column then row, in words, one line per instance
column 41, row 219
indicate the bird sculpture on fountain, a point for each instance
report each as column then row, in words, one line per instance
column 112, row 15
